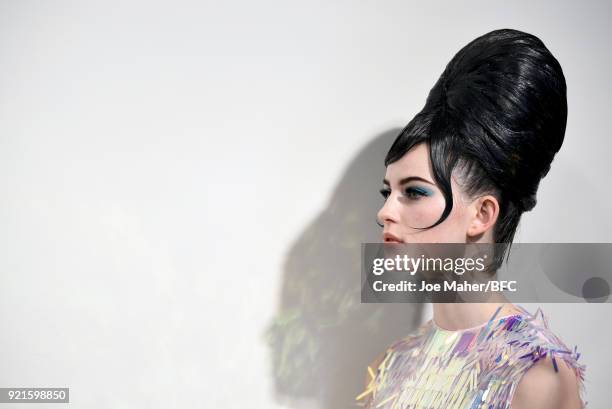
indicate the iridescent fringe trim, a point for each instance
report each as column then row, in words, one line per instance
column 433, row 369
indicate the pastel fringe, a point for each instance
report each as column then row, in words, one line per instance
column 473, row 368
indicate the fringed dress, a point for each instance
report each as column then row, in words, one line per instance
column 474, row 368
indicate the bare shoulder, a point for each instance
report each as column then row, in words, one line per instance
column 541, row 387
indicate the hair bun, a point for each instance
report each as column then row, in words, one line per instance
column 503, row 102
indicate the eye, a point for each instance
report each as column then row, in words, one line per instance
column 415, row 192
column 385, row 192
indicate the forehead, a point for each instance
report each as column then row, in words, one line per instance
column 415, row 162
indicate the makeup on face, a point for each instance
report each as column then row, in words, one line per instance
column 412, row 204
column 417, row 188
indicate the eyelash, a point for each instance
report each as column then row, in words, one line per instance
column 408, row 192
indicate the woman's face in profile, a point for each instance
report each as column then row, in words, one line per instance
column 413, row 200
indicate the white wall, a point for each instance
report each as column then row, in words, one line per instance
column 177, row 175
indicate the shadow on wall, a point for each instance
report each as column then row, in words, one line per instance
column 322, row 338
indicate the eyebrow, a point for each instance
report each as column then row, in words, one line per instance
column 409, row 179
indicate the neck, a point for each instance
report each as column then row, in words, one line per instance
column 458, row 316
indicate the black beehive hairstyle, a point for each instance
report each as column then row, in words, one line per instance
column 498, row 114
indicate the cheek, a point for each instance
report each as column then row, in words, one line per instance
column 454, row 228
column 424, row 212
column 451, row 230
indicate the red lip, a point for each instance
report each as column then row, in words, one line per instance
column 389, row 238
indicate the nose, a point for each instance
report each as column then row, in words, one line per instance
column 387, row 213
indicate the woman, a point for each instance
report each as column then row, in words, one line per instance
column 463, row 171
